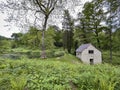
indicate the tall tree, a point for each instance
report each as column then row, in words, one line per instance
column 32, row 37
column 58, row 37
column 68, row 26
column 82, row 30
column 112, row 19
column 41, row 9
column 93, row 12
column 116, row 40
column 46, row 7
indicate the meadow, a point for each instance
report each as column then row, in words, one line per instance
column 59, row 73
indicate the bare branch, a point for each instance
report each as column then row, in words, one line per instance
column 42, row 9
column 48, row 3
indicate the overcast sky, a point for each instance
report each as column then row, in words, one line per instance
column 7, row 31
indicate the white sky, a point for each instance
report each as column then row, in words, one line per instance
column 7, row 31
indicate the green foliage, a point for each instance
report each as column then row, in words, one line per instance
column 59, row 53
column 68, row 27
column 58, row 38
column 52, row 74
column 11, row 56
column 49, row 39
column 18, row 82
column 19, row 53
column 116, row 41
column 116, row 57
column 5, row 44
column 32, row 39
column 16, row 37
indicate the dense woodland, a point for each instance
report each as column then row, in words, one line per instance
column 44, row 58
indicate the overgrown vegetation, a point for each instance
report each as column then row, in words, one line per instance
column 55, row 74
column 21, row 63
column 116, row 57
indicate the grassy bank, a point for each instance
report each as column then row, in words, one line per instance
column 61, row 73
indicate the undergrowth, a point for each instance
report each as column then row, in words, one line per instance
column 49, row 74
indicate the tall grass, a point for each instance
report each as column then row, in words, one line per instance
column 55, row 74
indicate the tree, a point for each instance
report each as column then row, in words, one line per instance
column 111, row 19
column 16, row 37
column 46, row 7
column 58, row 41
column 82, row 33
column 116, row 41
column 5, row 44
column 31, row 38
column 40, row 8
column 68, row 26
column 94, row 14
column 50, row 33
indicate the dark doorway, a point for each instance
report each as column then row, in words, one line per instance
column 91, row 61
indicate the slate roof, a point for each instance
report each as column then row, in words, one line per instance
column 83, row 47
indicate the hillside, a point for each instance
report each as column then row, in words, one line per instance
column 4, row 38
column 63, row 73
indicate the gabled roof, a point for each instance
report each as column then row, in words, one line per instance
column 83, row 47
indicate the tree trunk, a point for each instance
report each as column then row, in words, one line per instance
column 111, row 45
column 110, row 32
column 43, row 53
column 97, row 38
column 69, row 42
column 85, row 40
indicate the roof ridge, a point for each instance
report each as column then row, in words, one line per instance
column 83, row 47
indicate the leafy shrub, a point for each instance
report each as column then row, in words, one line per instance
column 53, row 53
column 50, row 54
column 31, row 54
column 59, row 53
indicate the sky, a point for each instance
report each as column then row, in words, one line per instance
column 7, row 31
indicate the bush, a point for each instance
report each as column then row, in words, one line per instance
column 59, row 53
column 31, row 54
column 53, row 53
column 50, row 54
